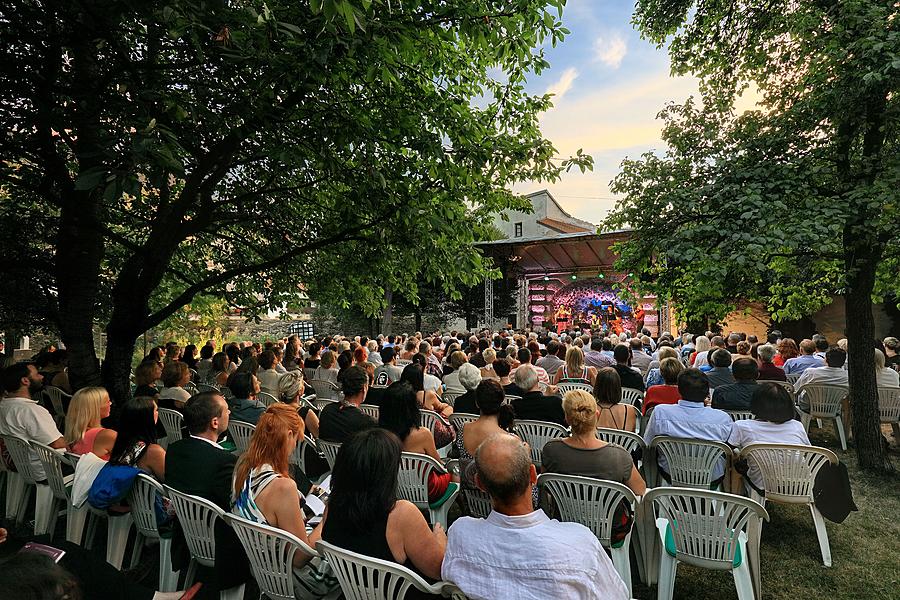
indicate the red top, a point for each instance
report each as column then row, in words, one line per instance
column 86, row 443
column 660, row 394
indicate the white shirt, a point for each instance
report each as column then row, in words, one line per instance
column 175, row 393
column 208, row 441
column 821, row 376
column 26, row 419
column 453, row 386
column 528, row 557
column 434, row 384
column 887, row 377
column 751, row 431
column 688, row 419
column 268, row 379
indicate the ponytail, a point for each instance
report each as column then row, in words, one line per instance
column 506, row 417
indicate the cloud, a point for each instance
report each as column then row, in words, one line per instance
column 562, row 85
column 610, row 50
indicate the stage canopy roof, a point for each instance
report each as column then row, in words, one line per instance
column 559, row 254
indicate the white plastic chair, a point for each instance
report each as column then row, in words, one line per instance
column 226, row 392
column 370, row 410
column 142, row 500
column 825, row 403
column 266, row 399
column 191, row 388
column 568, row 386
column 706, row 529
column 325, row 390
column 593, row 503
column 628, row 440
column 789, row 473
column 511, row 398
column 172, row 421
column 478, row 502
column 197, row 517
column 691, row 462
column 403, row 362
column 630, row 395
column 740, row 415
column 889, row 408
column 205, row 387
column 538, row 433
column 271, row 554
column 449, row 398
column 412, row 485
column 11, row 482
column 298, row 456
column 309, row 373
column 785, row 384
column 55, row 396
column 792, row 377
column 329, row 450
column 365, row 578
column 240, row 434
column 430, row 419
column 52, row 461
column 458, row 420
column 321, row 403
column 20, row 452
column 118, row 528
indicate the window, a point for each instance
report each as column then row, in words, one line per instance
column 518, row 230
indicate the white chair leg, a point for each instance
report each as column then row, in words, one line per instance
column 621, row 561
column 822, row 534
column 24, row 498
column 839, row 425
column 191, row 574
column 44, row 503
column 117, row 539
column 638, row 553
column 15, row 487
column 804, row 419
column 75, row 519
column 168, row 579
column 139, row 541
column 668, row 566
column 91, row 530
column 235, row 593
column 819, row 423
column 743, row 582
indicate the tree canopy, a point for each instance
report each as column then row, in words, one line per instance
column 791, row 203
column 239, row 149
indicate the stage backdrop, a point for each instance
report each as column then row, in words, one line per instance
column 561, row 303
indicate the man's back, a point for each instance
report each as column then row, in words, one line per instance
column 802, row 363
column 26, row 419
column 197, row 467
column 734, row 396
column 537, row 407
column 528, row 557
column 550, row 363
column 719, row 376
column 822, row 376
column 688, row 419
column 630, row 378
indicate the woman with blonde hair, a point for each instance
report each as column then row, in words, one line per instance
column 490, row 355
column 290, row 388
column 264, row 491
column 575, row 369
column 583, row 454
column 326, row 370
column 701, row 347
column 83, row 430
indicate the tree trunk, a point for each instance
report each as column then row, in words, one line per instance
column 861, row 369
column 388, row 311
column 117, row 367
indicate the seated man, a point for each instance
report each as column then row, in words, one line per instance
column 631, row 378
column 832, row 373
column 518, row 552
column 737, row 395
column 639, row 359
column 243, row 406
column 767, row 369
column 720, row 374
column 197, row 465
column 339, row 420
column 806, row 360
column 21, row 415
column 690, row 417
column 534, row 405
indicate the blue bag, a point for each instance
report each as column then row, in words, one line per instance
column 112, row 484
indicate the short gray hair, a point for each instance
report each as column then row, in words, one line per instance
column 526, row 377
column 504, row 482
column 469, row 376
column 424, row 347
column 766, row 352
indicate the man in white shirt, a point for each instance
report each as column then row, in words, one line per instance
column 832, row 373
column 21, row 416
column 518, row 552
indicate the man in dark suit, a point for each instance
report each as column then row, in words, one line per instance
column 197, row 465
column 534, row 405
column 737, row 396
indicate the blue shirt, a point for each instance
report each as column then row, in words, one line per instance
column 802, row 363
column 689, row 420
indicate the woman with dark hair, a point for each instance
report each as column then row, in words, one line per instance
column 773, row 408
column 364, row 514
column 136, row 438
column 414, row 375
column 189, row 356
column 496, row 416
column 233, row 351
column 344, row 361
column 220, row 368
column 400, row 415
column 608, row 392
column 787, row 349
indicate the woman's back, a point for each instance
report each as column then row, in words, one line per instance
column 617, row 416
column 609, row 461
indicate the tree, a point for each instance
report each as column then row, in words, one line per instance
column 235, row 149
column 788, row 204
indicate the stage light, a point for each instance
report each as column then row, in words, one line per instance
column 574, row 276
column 546, row 278
column 600, row 275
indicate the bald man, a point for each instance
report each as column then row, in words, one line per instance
column 518, row 552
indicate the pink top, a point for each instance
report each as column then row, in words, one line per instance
column 86, row 443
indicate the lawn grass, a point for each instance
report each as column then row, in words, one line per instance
column 865, row 548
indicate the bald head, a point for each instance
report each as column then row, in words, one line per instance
column 503, row 468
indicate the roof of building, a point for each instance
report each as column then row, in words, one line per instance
column 562, row 227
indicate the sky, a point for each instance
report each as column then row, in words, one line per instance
column 609, row 85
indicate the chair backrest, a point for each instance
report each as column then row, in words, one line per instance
column 889, row 404
column 785, row 384
column 191, row 388
column 298, row 456
column 172, row 421
column 226, row 392
column 792, row 377
column 266, row 399
column 205, row 387
column 365, row 578
column 412, row 483
column 370, row 409
column 629, row 395
column 788, row 470
column 52, row 461
column 309, row 373
column 20, row 453
column 824, row 400
column 321, row 403
column 479, row 502
column 325, row 390
column 568, row 386
column 55, row 396
column 691, row 462
column 197, row 517
column 402, row 362
column 458, row 420
column 510, row 397
column 271, row 553
column 194, row 375
column 704, row 524
column 449, row 398
column 241, row 433
column 430, row 419
column 628, row 440
column 740, row 415
column 329, row 450
column 538, row 433
column 142, row 499
column 591, row 502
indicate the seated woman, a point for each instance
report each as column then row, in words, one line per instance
column 145, row 376
column 189, row 356
column 326, row 371
column 221, row 368
column 885, row 376
column 574, row 369
column 469, row 377
column 654, row 377
column 773, row 408
column 667, row 393
column 400, row 415
column 608, row 393
column 495, row 417
column 583, row 454
column 290, row 388
column 487, row 372
column 135, row 444
column 264, row 491
column 83, row 430
column 175, row 375
column 414, row 375
column 364, row 514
